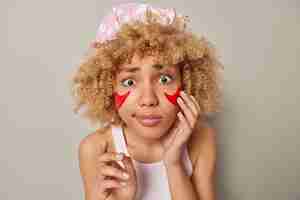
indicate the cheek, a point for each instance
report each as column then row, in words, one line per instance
column 120, row 98
column 173, row 97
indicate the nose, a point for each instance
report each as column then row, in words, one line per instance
column 148, row 96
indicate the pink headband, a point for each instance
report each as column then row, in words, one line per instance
column 126, row 13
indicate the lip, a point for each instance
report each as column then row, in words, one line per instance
column 149, row 120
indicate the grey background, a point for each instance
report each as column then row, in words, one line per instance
column 258, row 141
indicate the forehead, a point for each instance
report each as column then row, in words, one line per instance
column 147, row 62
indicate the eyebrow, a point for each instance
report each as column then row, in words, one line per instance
column 135, row 69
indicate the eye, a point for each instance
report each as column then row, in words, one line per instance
column 127, row 82
column 165, row 78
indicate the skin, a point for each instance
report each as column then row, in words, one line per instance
column 173, row 97
column 143, row 80
column 147, row 96
column 120, row 98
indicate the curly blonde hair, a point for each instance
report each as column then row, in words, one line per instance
column 93, row 84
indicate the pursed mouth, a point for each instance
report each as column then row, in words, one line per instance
column 148, row 120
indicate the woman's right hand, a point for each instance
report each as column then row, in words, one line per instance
column 114, row 182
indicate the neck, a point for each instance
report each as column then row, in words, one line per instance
column 142, row 149
column 135, row 140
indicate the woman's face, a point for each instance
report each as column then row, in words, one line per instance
column 142, row 88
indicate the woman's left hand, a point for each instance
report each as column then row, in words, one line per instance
column 182, row 128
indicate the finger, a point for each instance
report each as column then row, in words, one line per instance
column 188, row 101
column 110, row 156
column 129, row 167
column 118, row 164
column 99, row 191
column 185, row 131
column 112, row 171
column 168, row 138
column 187, row 112
column 196, row 103
column 111, row 183
column 185, row 124
column 101, row 194
column 121, row 164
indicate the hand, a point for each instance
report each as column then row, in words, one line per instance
column 111, row 181
column 182, row 128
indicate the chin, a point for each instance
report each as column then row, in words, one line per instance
column 154, row 132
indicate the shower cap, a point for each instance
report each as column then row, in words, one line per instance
column 126, row 13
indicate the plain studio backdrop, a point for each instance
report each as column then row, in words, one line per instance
column 42, row 43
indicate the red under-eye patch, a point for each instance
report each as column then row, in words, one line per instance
column 173, row 97
column 119, row 99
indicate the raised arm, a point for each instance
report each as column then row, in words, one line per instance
column 103, row 177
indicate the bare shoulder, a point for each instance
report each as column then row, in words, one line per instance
column 95, row 142
column 90, row 147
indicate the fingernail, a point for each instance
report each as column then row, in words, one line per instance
column 125, row 175
column 120, row 156
column 123, row 183
column 178, row 114
column 179, row 100
column 121, row 164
